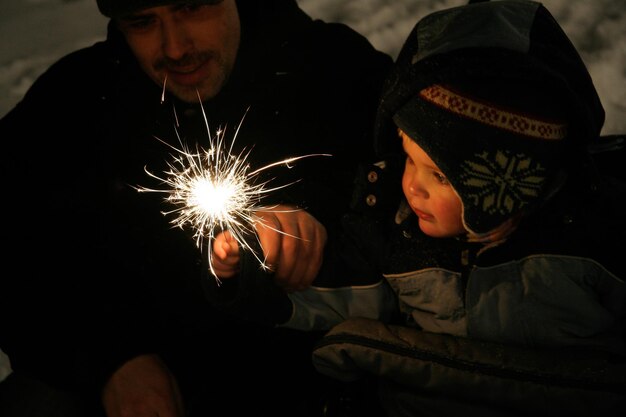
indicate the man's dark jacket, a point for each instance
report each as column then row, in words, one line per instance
column 95, row 273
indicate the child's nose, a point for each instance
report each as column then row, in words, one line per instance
column 416, row 186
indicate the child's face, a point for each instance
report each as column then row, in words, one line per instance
column 429, row 193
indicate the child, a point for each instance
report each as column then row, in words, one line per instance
column 505, row 230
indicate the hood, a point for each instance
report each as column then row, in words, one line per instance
column 511, row 40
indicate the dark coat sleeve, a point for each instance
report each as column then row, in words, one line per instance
column 74, row 307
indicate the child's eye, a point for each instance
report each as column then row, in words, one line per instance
column 441, row 178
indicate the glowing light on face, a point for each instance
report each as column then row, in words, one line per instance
column 212, row 190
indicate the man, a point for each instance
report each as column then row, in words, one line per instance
column 105, row 293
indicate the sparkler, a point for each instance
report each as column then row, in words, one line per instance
column 213, row 189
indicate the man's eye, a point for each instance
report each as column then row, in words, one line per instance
column 136, row 24
column 189, row 7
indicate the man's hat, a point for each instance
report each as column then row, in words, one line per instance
column 499, row 144
column 119, row 8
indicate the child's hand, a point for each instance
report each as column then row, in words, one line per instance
column 225, row 256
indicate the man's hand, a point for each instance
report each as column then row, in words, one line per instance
column 142, row 387
column 293, row 245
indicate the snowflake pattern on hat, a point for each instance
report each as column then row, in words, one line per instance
column 502, row 182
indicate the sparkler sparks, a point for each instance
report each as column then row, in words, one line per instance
column 213, row 189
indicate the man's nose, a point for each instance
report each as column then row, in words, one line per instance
column 175, row 40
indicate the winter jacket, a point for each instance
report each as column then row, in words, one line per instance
column 532, row 327
column 98, row 271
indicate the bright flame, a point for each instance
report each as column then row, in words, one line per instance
column 212, row 190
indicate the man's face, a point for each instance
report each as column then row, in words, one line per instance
column 189, row 48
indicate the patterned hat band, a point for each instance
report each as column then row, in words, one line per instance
column 487, row 114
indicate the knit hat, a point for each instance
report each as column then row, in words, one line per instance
column 499, row 144
column 119, row 8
